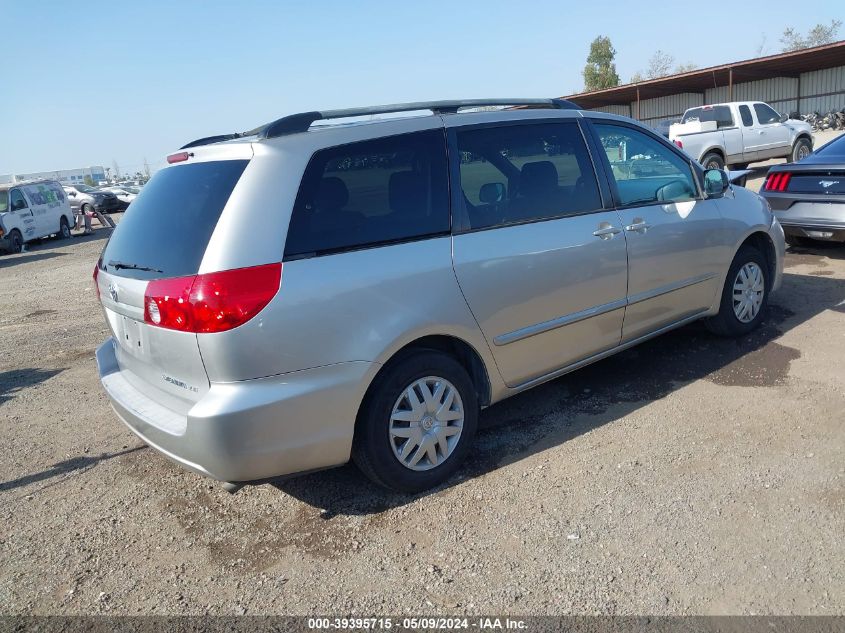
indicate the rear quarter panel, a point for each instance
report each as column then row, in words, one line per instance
column 356, row 306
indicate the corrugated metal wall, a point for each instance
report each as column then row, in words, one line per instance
column 821, row 91
column 829, row 84
column 622, row 110
column 781, row 93
column 671, row 107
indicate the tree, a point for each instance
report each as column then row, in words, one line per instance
column 659, row 65
column 816, row 36
column 685, row 68
column 89, row 181
column 600, row 71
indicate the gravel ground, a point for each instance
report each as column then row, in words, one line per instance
column 692, row 475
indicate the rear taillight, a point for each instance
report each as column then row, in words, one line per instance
column 178, row 158
column 96, row 279
column 778, row 181
column 678, row 143
column 212, row 302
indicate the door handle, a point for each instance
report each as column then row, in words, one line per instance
column 606, row 232
column 639, row 225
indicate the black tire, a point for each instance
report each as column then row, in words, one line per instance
column 87, row 208
column 712, row 160
column 64, row 229
column 802, row 146
column 726, row 322
column 15, row 241
column 373, row 447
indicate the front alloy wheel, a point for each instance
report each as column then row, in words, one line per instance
column 748, row 292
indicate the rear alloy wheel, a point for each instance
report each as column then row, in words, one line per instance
column 417, row 423
column 64, row 229
column 745, row 295
column 801, row 150
column 713, row 161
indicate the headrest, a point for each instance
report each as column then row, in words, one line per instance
column 407, row 192
column 537, row 177
column 332, row 194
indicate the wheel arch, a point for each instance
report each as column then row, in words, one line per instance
column 458, row 348
column 713, row 150
column 761, row 240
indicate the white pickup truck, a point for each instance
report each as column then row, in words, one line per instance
column 739, row 133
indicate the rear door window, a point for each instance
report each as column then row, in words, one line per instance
column 371, row 193
column 720, row 114
column 522, row 173
column 745, row 113
column 169, row 224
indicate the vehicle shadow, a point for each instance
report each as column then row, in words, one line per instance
column 23, row 258
column 829, row 250
column 64, row 467
column 18, row 379
column 599, row 394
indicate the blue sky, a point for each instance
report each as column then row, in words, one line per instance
column 98, row 81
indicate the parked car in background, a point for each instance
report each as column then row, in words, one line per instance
column 125, row 195
column 87, row 199
column 808, row 198
column 433, row 265
column 740, row 133
column 32, row 210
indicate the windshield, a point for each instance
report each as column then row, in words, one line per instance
column 86, row 189
column 4, row 201
column 167, row 227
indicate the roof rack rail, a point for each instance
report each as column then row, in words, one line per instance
column 302, row 121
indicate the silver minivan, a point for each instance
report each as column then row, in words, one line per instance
column 336, row 285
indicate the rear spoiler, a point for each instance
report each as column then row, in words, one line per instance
column 739, row 176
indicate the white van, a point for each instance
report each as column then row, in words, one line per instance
column 32, row 210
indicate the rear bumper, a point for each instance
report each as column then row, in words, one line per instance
column 816, row 219
column 252, row 429
column 817, row 231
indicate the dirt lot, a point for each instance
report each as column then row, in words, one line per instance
column 690, row 475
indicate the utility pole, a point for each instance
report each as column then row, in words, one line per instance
column 146, row 168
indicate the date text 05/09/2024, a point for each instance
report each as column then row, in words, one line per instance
column 416, row 624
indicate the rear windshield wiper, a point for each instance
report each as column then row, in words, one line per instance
column 125, row 266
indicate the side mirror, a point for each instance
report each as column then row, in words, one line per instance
column 491, row 192
column 784, row 118
column 715, row 183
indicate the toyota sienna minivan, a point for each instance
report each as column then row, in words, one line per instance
column 334, row 286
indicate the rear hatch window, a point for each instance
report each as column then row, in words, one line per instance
column 166, row 230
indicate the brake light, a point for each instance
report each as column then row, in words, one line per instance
column 96, row 278
column 212, row 302
column 678, row 143
column 178, row 158
column 778, row 181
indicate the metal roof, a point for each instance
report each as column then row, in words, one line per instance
column 790, row 64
